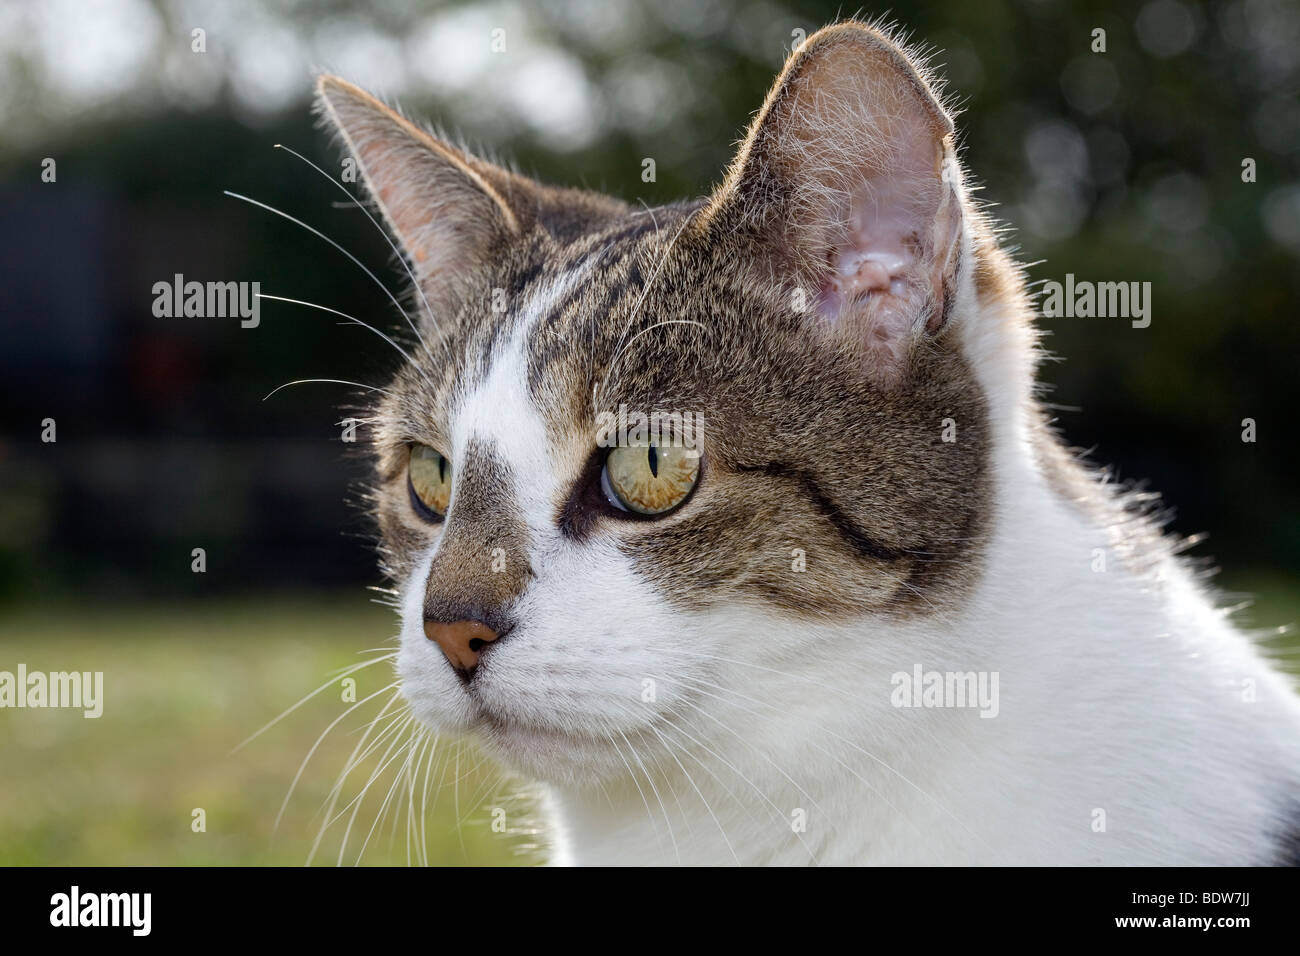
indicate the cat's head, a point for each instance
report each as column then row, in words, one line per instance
column 578, row 605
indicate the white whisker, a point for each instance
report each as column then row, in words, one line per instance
column 428, row 310
column 327, row 381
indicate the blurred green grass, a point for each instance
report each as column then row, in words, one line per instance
column 183, row 686
column 1270, row 612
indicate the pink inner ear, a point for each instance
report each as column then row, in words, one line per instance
column 875, row 280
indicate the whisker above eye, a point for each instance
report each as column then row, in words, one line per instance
column 327, row 381
column 428, row 310
column 352, row 319
column 636, row 309
column 360, row 265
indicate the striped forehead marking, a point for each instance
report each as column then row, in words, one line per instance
column 499, row 411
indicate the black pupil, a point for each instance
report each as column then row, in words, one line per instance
column 654, row 461
column 442, row 468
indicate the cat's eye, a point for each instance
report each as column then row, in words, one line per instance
column 649, row 480
column 429, row 480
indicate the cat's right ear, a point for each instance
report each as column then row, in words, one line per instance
column 445, row 208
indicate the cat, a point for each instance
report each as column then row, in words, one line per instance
column 875, row 612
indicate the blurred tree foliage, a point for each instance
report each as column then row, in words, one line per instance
column 1122, row 165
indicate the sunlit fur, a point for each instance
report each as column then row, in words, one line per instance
column 686, row 690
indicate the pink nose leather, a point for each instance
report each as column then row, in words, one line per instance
column 461, row 641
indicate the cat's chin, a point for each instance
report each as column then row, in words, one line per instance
column 548, row 754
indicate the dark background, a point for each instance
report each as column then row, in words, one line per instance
column 1122, row 166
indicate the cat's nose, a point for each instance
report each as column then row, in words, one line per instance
column 462, row 642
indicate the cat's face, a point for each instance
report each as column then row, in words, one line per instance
column 581, row 596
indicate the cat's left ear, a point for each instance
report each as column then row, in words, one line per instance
column 847, row 190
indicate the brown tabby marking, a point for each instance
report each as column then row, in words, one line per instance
column 803, row 453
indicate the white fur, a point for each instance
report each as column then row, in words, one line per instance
column 1121, row 692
